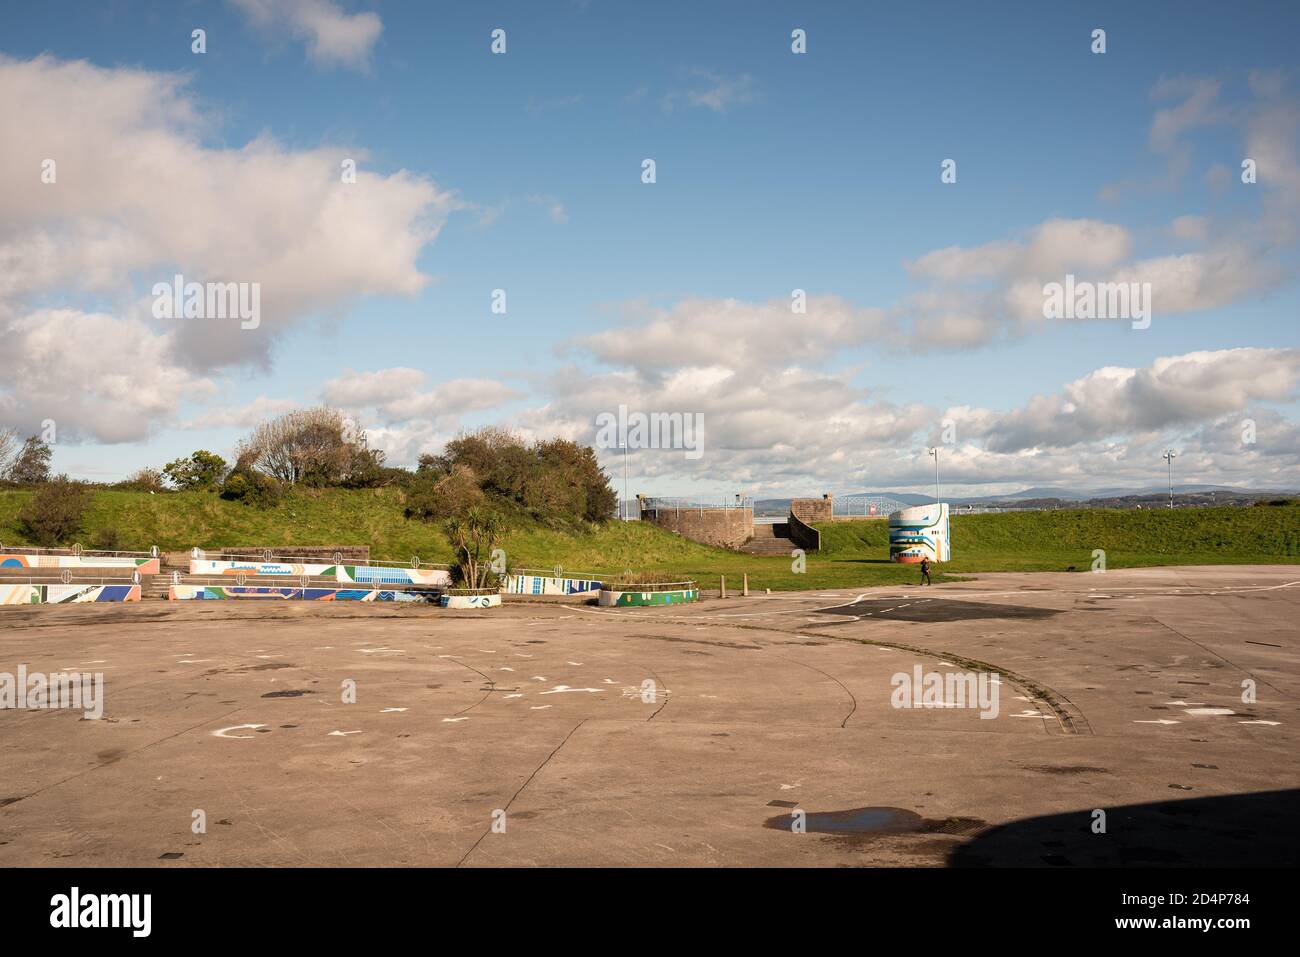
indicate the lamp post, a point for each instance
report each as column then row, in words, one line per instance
column 1169, row 457
column 935, row 453
column 625, row 510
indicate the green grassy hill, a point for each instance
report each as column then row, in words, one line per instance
column 853, row 553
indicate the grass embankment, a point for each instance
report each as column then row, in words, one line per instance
column 853, row 553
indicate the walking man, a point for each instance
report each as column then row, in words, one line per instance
column 925, row 571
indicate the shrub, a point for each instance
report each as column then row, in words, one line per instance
column 53, row 515
column 203, row 469
column 436, row 499
column 106, row 539
column 246, row 484
column 145, row 480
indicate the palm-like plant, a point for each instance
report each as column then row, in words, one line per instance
column 474, row 535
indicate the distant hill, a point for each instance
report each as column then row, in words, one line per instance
column 1046, row 496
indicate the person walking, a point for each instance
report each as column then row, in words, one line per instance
column 925, row 571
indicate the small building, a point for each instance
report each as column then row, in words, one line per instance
column 920, row 532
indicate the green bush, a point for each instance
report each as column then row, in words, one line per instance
column 252, row 488
column 54, row 514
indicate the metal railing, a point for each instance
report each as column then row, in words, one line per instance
column 855, row 506
column 76, row 551
column 268, row 557
column 682, row 504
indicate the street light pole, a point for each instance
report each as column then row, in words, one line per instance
column 626, row 516
column 1169, row 457
column 935, row 453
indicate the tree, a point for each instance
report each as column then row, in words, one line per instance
column 8, row 447
column 558, row 481
column 202, row 470
column 474, row 536
column 317, row 447
column 53, row 515
column 32, row 466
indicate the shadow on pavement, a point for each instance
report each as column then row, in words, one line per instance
column 1238, row 830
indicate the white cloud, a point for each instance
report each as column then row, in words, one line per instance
column 356, row 389
column 713, row 91
column 97, row 376
column 1114, row 402
column 139, row 195
column 741, row 334
column 245, row 416
column 333, row 37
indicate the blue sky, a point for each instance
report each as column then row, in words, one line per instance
column 775, row 171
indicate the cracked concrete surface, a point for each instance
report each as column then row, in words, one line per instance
column 668, row 736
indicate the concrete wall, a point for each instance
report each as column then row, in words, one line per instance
column 723, row 527
column 804, row 535
column 812, row 510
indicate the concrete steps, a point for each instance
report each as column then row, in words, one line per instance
column 770, row 540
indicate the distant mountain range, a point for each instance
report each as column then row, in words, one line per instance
column 1041, row 493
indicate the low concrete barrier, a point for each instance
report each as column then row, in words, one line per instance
column 290, row 593
column 641, row 595
column 60, row 594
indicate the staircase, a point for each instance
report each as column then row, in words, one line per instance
column 770, row 540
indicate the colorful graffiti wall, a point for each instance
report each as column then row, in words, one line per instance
column 145, row 566
column 548, row 585
column 920, row 532
column 273, row 592
column 351, row 574
column 27, row 594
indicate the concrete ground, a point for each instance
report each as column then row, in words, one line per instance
column 691, row 735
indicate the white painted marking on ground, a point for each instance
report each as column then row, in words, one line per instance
column 1029, row 714
column 539, row 707
column 505, row 669
column 1271, row 724
column 390, row 710
column 1209, row 711
column 341, row 734
column 514, row 696
column 563, row 689
column 576, row 664
column 1158, row 721
column 539, row 677
column 236, row 727
column 453, row 720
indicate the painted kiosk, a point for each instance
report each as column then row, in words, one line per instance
column 920, row 532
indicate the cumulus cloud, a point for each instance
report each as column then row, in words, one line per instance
column 244, row 416
column 412, row 418
column 97, row 376
column 1171, row 392
column 748, row 335
column 138, row 195
column 333, row 37
column 972, row 295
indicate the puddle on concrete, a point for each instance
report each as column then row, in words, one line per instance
column 858, row 820
column 1066, row 769
column 868, row 821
